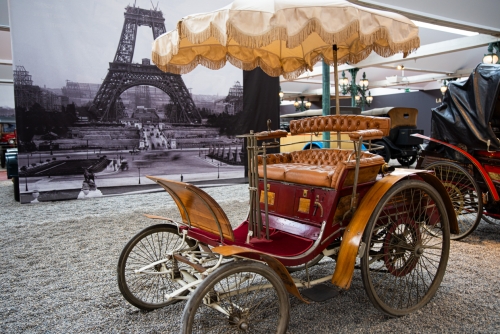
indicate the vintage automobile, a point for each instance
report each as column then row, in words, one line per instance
column 308, row 141
column 464, row 147
column 7, row 136
column 346, row 204
column 399, row 144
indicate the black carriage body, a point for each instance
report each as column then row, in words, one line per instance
column 470, row 113
column 468, row 119
column 465, row 130
column 400, row 144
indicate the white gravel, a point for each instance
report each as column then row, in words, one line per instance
column 59, row 274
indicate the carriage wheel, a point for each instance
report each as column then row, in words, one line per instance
column 385, row 152
column 147, row 291
column 464, row 193
column 403, row 263
column 407, row 160
column 242, row 296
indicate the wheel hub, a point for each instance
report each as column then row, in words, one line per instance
column 239, row 322
column 402, row 247
column 419, row 250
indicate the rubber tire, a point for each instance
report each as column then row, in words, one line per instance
column 366, row 271
column 122, row 261
column 227, row 270
column 469, row 182
column 407, row 160
column 2, row 157
column 15, row 181
column 385, row 152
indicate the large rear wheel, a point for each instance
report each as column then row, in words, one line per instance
column 464, row 194
column 404, row 263
column 243, row 296
column 147, row 290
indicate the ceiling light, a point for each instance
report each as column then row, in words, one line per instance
column 446, row 29
column 444, row 87
column 492, row 57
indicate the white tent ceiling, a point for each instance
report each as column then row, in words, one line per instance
column 445, row 52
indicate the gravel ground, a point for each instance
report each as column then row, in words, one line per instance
column 59, row 274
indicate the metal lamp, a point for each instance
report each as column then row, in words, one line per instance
column 492, row 57
column 302, row 105
column 359, row 92
column 444, row 87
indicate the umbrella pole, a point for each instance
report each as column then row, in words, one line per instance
column 326, row 100
column 336, row 80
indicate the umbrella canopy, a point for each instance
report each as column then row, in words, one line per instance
column 283, row 37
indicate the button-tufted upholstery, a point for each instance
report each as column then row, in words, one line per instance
column 320, row 167
column 354, row 125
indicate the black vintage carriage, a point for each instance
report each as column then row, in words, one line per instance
column 399, row 144
column 464, row 150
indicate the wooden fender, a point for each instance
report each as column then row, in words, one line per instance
column 274, row 264
column 351, row 238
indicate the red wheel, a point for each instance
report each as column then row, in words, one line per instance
column 407, row 245
column 402, row 235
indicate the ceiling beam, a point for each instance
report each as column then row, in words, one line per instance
column 412, row 80
column 429, row 18
column 412, row 69
column 421, row 79
column 428, row 50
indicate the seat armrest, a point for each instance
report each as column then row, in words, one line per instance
column 264, row 135
column 368, row 134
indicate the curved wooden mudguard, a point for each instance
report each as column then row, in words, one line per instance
column 197, row 208
column 276, row 265
column 351, row 239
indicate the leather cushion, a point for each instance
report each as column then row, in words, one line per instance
column 320, row 167
column 342, row 123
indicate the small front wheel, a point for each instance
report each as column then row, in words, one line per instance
column 243, row 296
column 147, row 290
column 404, row 262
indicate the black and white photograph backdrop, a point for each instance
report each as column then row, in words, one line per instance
column 95, row 115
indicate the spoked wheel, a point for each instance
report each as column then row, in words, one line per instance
column 464, row 193
column 407, row 160
column 243, row 296
column 147, row 290
column 403, row 263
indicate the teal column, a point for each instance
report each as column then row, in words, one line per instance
column 326, row 99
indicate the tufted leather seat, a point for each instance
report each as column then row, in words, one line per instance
column 320, row 167
column 354, row 125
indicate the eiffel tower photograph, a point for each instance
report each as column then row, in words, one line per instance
column 95, row 115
